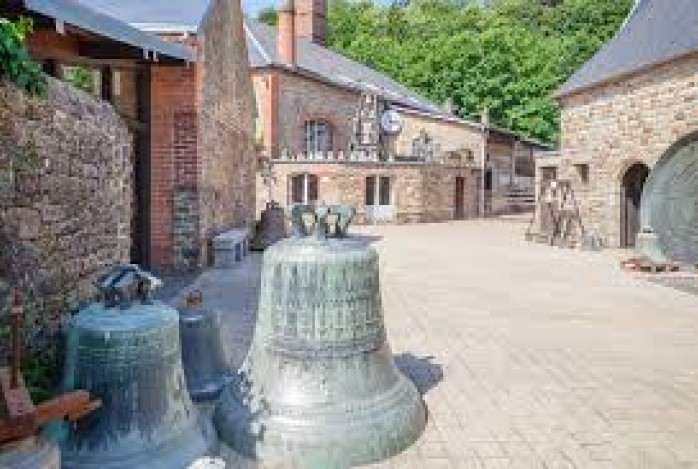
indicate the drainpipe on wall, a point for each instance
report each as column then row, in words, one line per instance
column 484, row 129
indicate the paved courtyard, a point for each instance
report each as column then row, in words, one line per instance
column 527, row 356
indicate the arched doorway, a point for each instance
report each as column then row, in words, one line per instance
column 632, row 186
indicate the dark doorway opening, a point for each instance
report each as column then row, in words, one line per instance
column 631, row 197
column 459, row 198
column 140, row 222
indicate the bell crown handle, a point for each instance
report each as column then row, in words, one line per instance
column 327, row 221
column 123, row 285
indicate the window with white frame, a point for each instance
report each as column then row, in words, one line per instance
column 318, row 137
column 304, row 188
column 377, row 191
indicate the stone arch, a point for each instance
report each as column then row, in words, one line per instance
column 632, row 182
column 670, row 200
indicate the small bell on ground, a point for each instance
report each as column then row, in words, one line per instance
column 125, row 350
column 271, row 227
column 205, row 366
column 319, row 386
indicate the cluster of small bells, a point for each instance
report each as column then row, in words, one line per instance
column 318, row 387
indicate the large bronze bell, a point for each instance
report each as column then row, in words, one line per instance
column 125, row 350
column 319, row 386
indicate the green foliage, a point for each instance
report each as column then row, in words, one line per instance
column 79, row 77
column 268, row 16
column 15, row 62
column 509, row 58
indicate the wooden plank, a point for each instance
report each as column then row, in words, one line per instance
column 21, row 414
column 71, row 406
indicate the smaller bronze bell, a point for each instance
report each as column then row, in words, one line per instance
column 205, row 367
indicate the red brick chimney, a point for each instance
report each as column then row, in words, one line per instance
column 311, row 20
column 287, row 32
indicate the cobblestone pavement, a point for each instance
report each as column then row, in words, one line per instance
column 528, row 356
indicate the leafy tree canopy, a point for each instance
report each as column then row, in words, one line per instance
column 510, row 57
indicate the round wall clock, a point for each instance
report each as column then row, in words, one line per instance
column 391, row 121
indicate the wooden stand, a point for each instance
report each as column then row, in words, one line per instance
column 24, row 418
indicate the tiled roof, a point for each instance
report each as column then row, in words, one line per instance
column 655, row 32
column 331, row 66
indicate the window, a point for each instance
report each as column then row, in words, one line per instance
column 304, row 189
column 377, row 191
column 583, row 173
column 318, row 137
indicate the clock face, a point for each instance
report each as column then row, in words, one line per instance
column 391, row 121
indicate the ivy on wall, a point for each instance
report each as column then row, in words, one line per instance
column 15, row 63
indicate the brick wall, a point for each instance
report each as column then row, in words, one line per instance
column 65, row 192
column 229, row 157
column 174, row 167
column 203, row 153
column 613, row 126
column 301, row 99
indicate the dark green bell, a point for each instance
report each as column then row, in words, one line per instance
column 125, row 350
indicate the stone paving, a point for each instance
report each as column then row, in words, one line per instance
column 527, row 356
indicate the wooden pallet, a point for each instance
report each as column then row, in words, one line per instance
column 643, row 264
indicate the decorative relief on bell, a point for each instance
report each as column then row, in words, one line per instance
column 319, row 383
column 125, row 349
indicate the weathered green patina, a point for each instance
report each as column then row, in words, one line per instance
column 126, row 351
column 319, row 387
column 670, row 204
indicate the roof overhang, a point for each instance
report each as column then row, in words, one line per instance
column 103, row 37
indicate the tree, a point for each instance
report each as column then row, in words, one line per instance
column 510, row 57
column 268, row 15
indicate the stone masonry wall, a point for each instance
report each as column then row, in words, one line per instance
column 611, row 127
column 420, row 193
column 65, row 196
column 302, row 99
column 228, row 154
column 450, row 136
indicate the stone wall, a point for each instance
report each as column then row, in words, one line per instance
column 420, row 193
column 611, row 127
column 65, row 196
column 228, row 154
column 451, row 136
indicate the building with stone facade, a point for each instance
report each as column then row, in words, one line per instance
column 190, row 108
column 427, row 167
column 630, row 133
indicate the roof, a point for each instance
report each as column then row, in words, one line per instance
column 312, row 59
column 655, row 32
column 86, row 18
column 316, row 61
column 331, row 66
column 155, row 15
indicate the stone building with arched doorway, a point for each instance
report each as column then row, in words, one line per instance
column 629, row 123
